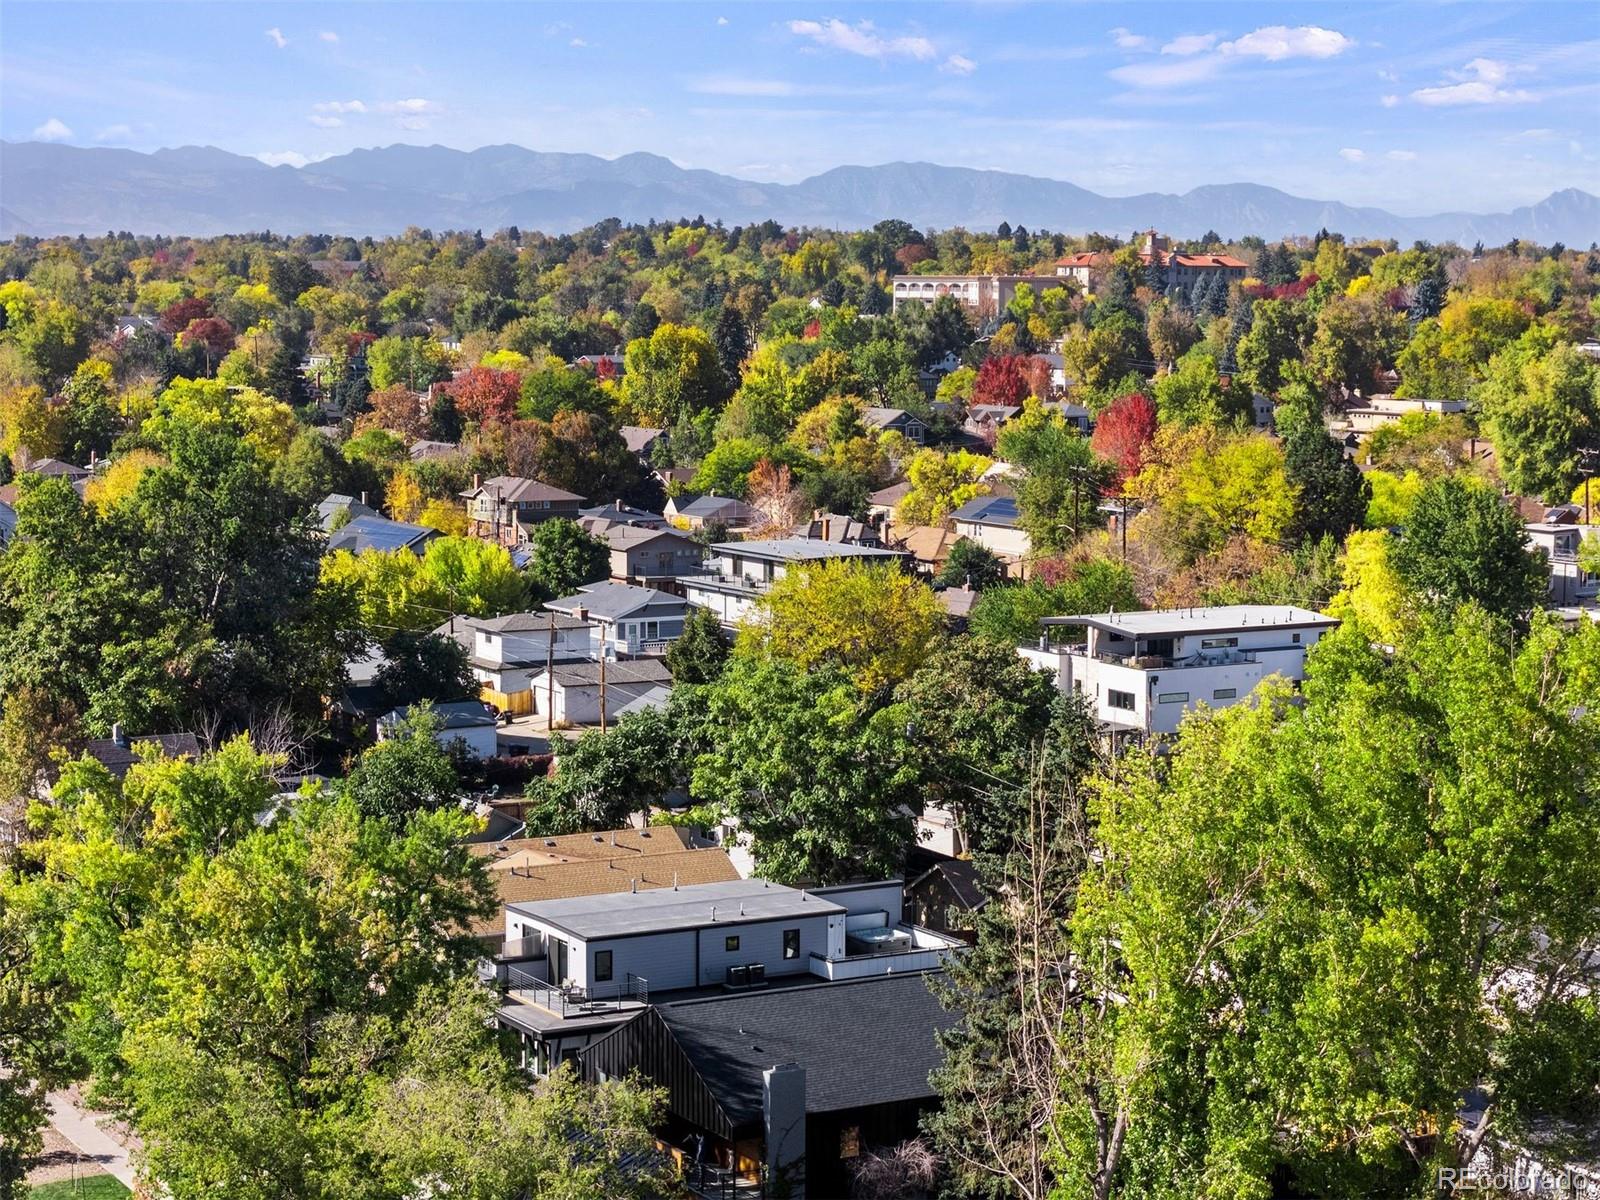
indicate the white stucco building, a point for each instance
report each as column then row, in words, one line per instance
column 1142, row 671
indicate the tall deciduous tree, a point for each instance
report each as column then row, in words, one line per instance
column 1461, row 543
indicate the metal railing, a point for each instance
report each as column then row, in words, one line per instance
column 577, row 1001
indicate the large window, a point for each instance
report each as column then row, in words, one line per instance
column 1173, row 698
column 1225, row 694
column 791, row 943
column 602, row 966
column 1218, row 643
column 1120, row 699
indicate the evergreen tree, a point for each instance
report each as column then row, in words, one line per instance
column 1426, row 299
column 1333, row 494
column 1004, row 232
column 642, row 321
column 284, row 379
column 732, row 340
column 698, row 654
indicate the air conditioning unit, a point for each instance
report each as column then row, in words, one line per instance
column 758, row 974
column 738, row 977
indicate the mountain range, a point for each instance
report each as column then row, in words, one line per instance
column 48, row 189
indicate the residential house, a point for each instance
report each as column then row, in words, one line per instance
column 119, row 751
column 1365, row 415
column 336, row 503
column 786, row 1084
column 897, row 420
column 1075, row 415
column 8, row 523
column 653, row 556
column 882, row 503
column 1570, row 584
column 379, row 533
column 740, row 571
column 985, row 421
column 927, row 545
column 985, row 295
column 625, row 620
column 994, row 521
column 712, row 510
column 606, row 366
column 642, row 439
column 835, row 527
column 426, row 451
column 1178, row 269
column 56, row 469
column 505, row 653
column 504, row 509
column 592, row 693
column 605, row 516
column 530, row 869
column 468, row 723
column 1142, row 671
column 580, row 966
column 958, row 603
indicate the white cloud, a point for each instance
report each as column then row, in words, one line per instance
column 1390, row 101
column 1173, row 73
column 1479, row 83
column 282, row 158
column 328, row 35
column 744, row 85
column 1278, row 42
column 322, row 122
column 958, row 64
column 863, row 39
column 53, row 130
column 1190, row 43
column 277, row 38
column 1388, row 76
column 412, row 106
column 722, row 20
column 1401, row 156
column 1350, row 154
column 114, row 133
column 339, row 106
column 579, row 43
column 1128, row 40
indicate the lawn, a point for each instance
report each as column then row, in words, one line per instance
column 96, row 1187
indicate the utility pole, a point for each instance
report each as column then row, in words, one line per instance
column 602, row 680
column 550, row 678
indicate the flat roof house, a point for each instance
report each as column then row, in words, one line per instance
column 1142, row 671
column 740, row 571
column 625, row 620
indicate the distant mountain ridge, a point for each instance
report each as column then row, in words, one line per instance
column 48, row 189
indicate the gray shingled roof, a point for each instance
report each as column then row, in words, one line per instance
column 863, row 1042
column 117, row 756
column 635, row 671
column 612, row 601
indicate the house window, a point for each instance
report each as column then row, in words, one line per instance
column 1120, row 699
column 1297, row 638
column 1218, row 643
column 730, row 943
column 1173, row 698
column 652, row 630
column 1225, row 694
column 602, row 966
column 791, row 943
column 850, row 1141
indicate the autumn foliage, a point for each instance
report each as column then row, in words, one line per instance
column 1003, row 379
column 486, row 395
column 1124, row 432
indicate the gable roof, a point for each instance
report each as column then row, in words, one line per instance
column 513, row 489
column 116, row 754
column 425, row 450
column 862, row 1042
column 54, row 466
column 639, row 438
column 613, row 601
column 960, row 875
column 631, row 537
column 724, row 508
column 457, row 714
column 334, row 503
column 379, row 533
column 634, row 671
column 890, row 496
column 882, row 418
column 989, row 510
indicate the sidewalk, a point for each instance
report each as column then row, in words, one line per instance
column 79, row 1126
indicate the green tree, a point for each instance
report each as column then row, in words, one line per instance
column 413, row 363
column 971, row 564
column 700, row 652
column 564, row 557
column 1276, row 339
column 1011, row 614
column 1463, row 543
column 1194, row 395
column 1542, row 407
column 673, row 373
column 603, row 778
column 408, row 771
column 1058, row 497
column 30, row 1035
column 822, row 786
column 1331, row 495
column 872, row 622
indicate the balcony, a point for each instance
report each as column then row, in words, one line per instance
column 627, row 994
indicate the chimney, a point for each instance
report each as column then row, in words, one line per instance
column 580, row 614
column 363, row 497
column 713, row 912
column 783, row 1111
column 94, row 459
column 477, row 480
column 118, row 736
column 619, row 504
column 826, row 526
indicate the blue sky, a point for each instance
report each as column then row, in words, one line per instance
column 1411, row 106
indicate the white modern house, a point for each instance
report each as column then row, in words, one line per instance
column 1570, row 585
column 575, row 968
column 1142, row 671
column 740, row 571
column 1365, row 415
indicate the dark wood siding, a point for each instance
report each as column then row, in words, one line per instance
column 646, row 1046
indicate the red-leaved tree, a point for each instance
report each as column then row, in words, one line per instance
column 1124, row 432
column 1003, row 379
column 486, row 395
column 175, row 318
column 212, row 334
